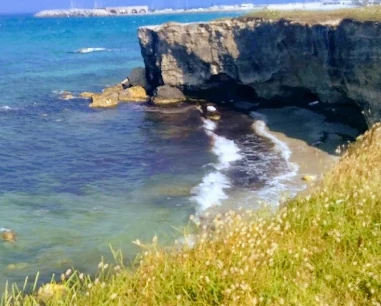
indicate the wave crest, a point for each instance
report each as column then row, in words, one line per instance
column 90, row 50
column 211, row 191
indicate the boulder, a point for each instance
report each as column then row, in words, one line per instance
column 167, row 95
column 138, row 77
column 133, row 94
column 125, row 83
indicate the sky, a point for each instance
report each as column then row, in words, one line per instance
column 32, row 6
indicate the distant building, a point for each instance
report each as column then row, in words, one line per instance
column 128, row 10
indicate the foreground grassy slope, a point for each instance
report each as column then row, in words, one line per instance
column 323, row 249
column 360, row 14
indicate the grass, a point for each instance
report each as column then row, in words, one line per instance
column 372, row 13
column 320, row 249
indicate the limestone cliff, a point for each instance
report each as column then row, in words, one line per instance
column 337, row 62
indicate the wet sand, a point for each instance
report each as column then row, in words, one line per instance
column 312, row 142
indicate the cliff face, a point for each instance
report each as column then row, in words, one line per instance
column 337, row 62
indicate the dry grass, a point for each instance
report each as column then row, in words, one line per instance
column 323, row 249
column 312, row 17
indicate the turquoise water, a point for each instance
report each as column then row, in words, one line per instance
column 74, row 180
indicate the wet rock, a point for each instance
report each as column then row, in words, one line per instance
column 209, row 111
column 112, row 89
column 138, row 77
column 108, row 98
column 86, row 95
column 66, row 95
column 105, row 100
column 133, row 94
column 8, row 235
column 167, row 95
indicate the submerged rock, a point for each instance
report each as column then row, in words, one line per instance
column 18, row 266
column 133, row 94
column 8, row 235
column 66, row 95
column 167, row 95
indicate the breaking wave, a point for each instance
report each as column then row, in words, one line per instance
column 211, row 191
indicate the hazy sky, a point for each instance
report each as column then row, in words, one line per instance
column 9, row 6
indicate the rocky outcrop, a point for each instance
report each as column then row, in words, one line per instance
column 112, row 96
column 167, row 95
column 337, row 63
column 133, row 94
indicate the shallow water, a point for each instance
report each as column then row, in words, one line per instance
column 74, row 180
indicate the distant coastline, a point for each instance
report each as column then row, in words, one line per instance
column 144, row 10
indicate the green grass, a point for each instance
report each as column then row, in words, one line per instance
column 360, row 14
column 319, row 249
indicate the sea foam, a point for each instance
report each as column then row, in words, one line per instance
column 211, row 190
column 90, row 50
column 279, row 184
column 7, row 108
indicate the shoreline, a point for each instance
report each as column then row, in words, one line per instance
column 309, row 157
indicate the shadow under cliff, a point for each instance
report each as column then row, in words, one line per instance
column 278, row 64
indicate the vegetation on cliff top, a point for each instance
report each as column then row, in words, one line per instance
column 320, row 249
column 372, row 13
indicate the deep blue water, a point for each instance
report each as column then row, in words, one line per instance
column 72, row 179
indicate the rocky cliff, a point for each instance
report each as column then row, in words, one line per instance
column 337, row 62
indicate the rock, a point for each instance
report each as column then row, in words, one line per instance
column 138, row 77
column 214, row 116
column 125, row 83
column 8, row 235
column 167, row 95
column 332, row 62
column 133, row 94
column 211, row 109
column 113, row 89
column 18, row 266
column 66, row 95
column 108, row 98
column 86, row 94
column 105, row 100
column 309, row 178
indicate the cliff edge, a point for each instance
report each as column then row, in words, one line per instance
column 335, row 62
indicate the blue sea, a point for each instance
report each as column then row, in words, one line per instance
column 75, row 181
